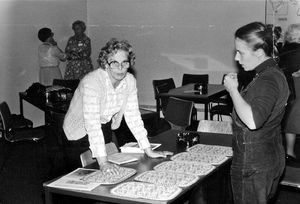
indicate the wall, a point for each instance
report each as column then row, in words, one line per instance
column 172, row 37
column 20, row 21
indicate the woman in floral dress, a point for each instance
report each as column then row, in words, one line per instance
column 78, row 52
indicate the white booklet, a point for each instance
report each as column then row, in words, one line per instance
column 75, row 180
column 133, row 147
column 121, row 158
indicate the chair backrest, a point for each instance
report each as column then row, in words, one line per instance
column 86, row 157
column 71, row 83
column 5, row 116
column 162, row 86
column 291, row 177
column 213, row 126
column 178, row 113
column 194, row 78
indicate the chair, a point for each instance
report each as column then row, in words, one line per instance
column 213, row 126
column 86, row 157
column 162, row 86
column 17, row 128
column 72, row 83
column 194, row 78
column 178, row 113
column 223, row 106
column 291, row 177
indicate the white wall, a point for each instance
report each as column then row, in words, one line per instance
column 172, row 37
column 20, row 21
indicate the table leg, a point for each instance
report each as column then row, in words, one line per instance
column 21, row 104
column 48, row 197
column 206, row 111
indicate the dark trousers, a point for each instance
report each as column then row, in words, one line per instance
column 255, row 187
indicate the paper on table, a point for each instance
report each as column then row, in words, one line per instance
column 121, row 158
column 74, row 180
column 133, row 147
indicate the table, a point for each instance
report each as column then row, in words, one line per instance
column 214, row 91
column 62, row 107
column 168, row 141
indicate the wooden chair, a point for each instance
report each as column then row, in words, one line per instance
column 194, row 78
column 17, row 128
column 213, row 126
column 291, row 177
column 178, row 113
column 86, row 157
column 162, row 86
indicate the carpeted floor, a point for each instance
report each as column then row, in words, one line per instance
column 24, row 166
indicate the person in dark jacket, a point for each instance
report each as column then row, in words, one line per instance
column 289, row 62
column 258, row 154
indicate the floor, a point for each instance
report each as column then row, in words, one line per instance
column 24, row 166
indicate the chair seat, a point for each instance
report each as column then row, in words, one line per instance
column 34, row 134
column 291, row 177
column 18, row 121
column 213, row 126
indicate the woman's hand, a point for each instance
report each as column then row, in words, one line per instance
column 107, row 167
column 231, row 82
column 157, row 154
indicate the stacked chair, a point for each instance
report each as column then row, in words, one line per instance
column 221, row 106
column 162, row 86
column 17, row 128
column 194, row 78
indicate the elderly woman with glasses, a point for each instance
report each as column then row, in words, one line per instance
column 102, row 98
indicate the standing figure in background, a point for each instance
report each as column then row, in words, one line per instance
column 258, row 154
column 50, row 56
column 289, row 62
column 78, row 52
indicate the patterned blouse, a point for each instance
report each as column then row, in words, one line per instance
column 79, row 61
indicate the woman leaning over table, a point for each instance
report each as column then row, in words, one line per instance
column 100, row 101
column 258, row 154
column 78, row 52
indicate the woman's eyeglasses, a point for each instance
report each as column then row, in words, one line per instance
column 117, row 65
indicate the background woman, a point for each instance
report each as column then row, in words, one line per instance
column 102, row 98
column 289, row 61
column 78, row 50
column 258, row 154
column 50, row 56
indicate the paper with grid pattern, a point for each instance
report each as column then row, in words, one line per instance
column 200, row 157
column 146, row 191
column 108, row 178
column 195, row 168
column 167, row 178
column 211, row 149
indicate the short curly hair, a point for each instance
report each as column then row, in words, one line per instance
column 79, row 23
column 292, row 34
column 111, row 48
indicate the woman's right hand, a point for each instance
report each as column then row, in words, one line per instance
column 108, row 167
column 231, row 82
